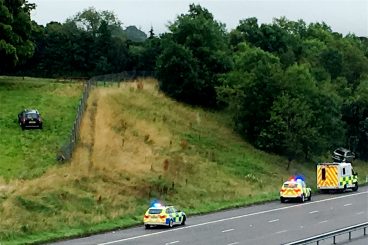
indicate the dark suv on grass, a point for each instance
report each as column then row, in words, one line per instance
column 30, row 118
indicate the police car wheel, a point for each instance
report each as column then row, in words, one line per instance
column 147, row 226
column 171, row 224
column 310, row 196
column 282, row 200
column 183, row 221
column 302, row 198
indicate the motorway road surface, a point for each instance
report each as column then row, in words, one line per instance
column 270, row 223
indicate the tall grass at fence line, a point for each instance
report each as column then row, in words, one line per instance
column 66, row 150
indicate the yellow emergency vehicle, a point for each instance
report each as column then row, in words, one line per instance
column 295, row 188
column 336, row 176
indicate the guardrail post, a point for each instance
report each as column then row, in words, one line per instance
column 349, row 235
column 334, row 239
column 365, row 231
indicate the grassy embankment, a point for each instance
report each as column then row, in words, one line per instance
column 137, row 145
column 26, row 154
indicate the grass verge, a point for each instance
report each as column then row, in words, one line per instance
column 27, row 154
column 137, row 145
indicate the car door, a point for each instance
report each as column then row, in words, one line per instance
column 305, row 190
column 176, row 215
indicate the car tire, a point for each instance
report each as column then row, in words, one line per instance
column 147, row 227
column 23, row 127
column 302, row 198
column 282, row 200
column 356, row 187
column 171, row 223
column 183, row 221
column 40, row 127
column 310, row 196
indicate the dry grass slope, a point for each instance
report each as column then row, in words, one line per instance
column 135, row 145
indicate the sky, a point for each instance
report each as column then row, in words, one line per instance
column 343, row 16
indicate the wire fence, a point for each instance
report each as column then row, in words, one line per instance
column 66, row 151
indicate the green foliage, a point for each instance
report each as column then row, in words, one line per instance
column 206, row 43
column 251, row 89
column 92, row 42
column 15, row 33
column 179, row 70
column 355, row 114
column 324, row 84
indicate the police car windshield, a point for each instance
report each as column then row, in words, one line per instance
column 154, row 211
column 290, row 185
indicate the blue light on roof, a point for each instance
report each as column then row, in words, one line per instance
column 155, row 204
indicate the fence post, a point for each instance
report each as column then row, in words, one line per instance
column 334, row 239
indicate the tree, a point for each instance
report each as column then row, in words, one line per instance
column 290, row 130
column 178, row 73
column 355, row 114
column 251, row 88
column 206, row 44
column 331, row 59
column 15, row 32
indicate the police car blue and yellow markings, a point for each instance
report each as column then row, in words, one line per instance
column 295, row 188
column 159, row 214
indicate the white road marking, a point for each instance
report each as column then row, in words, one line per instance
column 324, row 221
column 231, row 218
column 279, row 232
column 313, row 212
column 233, row 243
column 227, row 230
column 274, row 220
column 171, row 242
column 359, row 213
column 348, row 204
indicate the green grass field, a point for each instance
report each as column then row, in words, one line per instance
column 136, row 145
column 27, row 154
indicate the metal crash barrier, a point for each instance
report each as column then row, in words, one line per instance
column 332, row 234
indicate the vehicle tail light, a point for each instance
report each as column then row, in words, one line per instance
column 297, row 189
column 146, row 216
column 162, row 216
column 23, row 119
column 282, row 190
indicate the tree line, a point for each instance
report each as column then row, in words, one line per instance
column 292, row 88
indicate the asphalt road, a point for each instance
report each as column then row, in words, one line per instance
column 270, row 223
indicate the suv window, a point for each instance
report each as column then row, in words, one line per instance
column 31, row 115
column 339, row 152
